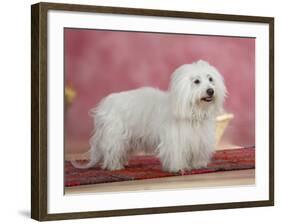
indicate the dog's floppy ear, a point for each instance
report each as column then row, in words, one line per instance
column 179, row 105
column 180, row 92
column 221, row 89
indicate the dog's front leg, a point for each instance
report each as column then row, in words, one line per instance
column 201, row 158
column 174, row 159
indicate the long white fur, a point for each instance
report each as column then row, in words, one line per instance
column 177, row 125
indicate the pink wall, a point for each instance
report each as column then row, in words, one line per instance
column 98, row 63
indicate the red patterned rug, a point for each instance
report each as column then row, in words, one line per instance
column 147, row 167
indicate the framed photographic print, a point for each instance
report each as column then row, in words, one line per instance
column 141, row 111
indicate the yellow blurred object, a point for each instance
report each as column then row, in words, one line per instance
column 69, row 94
column 222, row 122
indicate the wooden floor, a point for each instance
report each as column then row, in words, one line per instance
column 229, row 178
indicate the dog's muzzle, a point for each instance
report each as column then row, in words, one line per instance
column 210, row 92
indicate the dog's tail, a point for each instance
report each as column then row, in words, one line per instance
column 95, row 158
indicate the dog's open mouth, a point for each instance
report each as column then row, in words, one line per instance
column 207, row 99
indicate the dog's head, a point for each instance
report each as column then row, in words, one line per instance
column 197, row 91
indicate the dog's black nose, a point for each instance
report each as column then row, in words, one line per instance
column 210, row 92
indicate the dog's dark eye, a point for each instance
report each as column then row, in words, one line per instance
column 197, row 81
column 211, row 79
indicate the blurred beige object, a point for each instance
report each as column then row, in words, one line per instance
column 69, row 94
column 222, row 122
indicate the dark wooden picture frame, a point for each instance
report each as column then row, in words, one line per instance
column 39, row 105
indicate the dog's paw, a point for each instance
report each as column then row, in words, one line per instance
column 199, row 165
column 114, row 167
column 178, row 170
column 183, row 172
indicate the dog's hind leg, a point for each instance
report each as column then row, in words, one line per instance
column 114, row 156
column 114, row 148
column 113, row 160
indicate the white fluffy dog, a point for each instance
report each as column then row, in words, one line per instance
column 177, row 125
